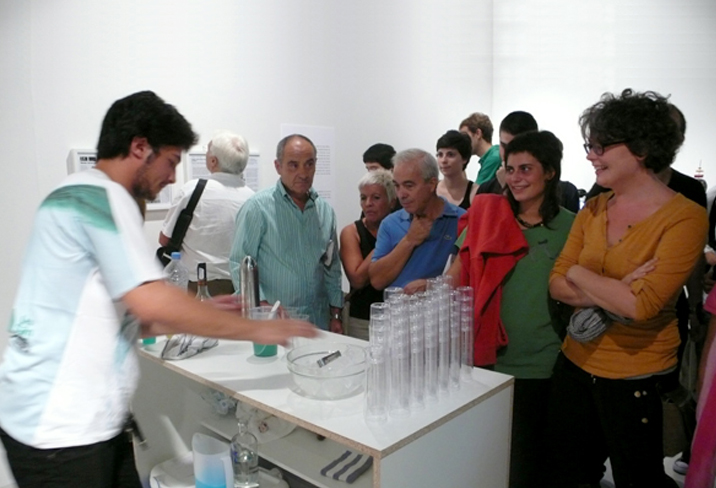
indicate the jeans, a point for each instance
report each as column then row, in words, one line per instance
column 592, row 419
column 108, row 464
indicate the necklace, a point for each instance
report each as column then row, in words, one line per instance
column 527, row 225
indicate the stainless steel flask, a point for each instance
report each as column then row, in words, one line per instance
column 249, row 276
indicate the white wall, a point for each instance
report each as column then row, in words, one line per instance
column 394, row 71
column 555, row 58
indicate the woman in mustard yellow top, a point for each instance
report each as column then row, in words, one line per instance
column 628, row 254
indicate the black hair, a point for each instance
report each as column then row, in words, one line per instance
column 381, row 154
column 643, row 121
column 143, row 114
column 547, row 149
column 460, row 141
column 518, row 122
column 680, row 120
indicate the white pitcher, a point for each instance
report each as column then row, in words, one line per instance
column 212, row 462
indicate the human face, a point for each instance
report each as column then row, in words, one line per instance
column 474, row 137
column 157, row 171
column 374, row 203
column 450, row 161
column 526, row 178
column 372, row 166
column 614, row 165
column 413, row 191
column 297, row 168
column 505, row 139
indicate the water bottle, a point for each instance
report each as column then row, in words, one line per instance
column 175, row 273
column 245, row 458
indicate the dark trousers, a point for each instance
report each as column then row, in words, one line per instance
column 108, row 464
column 528, row 460
column 592, row 419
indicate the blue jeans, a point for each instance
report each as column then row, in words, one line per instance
column 108, row 464
column 592, row 419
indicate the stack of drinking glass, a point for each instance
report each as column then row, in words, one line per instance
column 421, row 348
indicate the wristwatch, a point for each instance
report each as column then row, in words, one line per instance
column 336, row 316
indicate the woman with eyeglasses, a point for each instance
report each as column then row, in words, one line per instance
column 628, row 255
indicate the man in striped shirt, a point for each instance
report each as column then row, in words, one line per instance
column 291, row 233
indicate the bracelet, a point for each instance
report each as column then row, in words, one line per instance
column 336, row 316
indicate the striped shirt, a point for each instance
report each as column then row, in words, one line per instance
column 296, row 251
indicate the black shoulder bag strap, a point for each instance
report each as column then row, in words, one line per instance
column 186, row 215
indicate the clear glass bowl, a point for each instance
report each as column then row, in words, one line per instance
column 339, row 378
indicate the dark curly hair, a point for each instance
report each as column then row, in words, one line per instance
column 547, row 149
column 142, row 114
column 459, row 141
column 642, row 120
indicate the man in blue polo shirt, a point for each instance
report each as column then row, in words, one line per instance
column 414, row 243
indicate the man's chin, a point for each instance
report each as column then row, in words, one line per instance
column 144, row 193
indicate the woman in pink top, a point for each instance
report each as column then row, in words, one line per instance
column 702, row 467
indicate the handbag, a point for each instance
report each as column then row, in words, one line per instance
column 164, row 253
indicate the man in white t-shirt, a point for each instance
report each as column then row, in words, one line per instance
column 211, row 232
column 89, row 286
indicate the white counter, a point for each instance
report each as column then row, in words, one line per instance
column 462, row 440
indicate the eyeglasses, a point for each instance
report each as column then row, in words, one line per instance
column 599, row 149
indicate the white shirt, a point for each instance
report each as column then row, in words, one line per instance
column 70, row 368
column 211, row 232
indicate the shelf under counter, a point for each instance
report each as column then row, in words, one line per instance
column 480, row 408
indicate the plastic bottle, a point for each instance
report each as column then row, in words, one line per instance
column 175, row 273
column 245, row 458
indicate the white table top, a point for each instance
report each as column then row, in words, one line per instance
column 266, row 383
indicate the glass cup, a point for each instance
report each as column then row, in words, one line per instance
column 295, row 342
column 263, row 313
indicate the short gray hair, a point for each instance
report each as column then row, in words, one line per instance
column 231, row 151
column 380, row 177
column 426, row 162
column 282, row 145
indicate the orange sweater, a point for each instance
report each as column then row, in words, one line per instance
column 675, row 234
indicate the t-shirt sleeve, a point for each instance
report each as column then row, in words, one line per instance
column 117, row 242
column 384, row 242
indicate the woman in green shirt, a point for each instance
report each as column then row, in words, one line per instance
column 533, row 168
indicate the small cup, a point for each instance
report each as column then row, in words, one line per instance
column 263, row 350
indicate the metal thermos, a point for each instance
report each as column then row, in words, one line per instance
column 249, row 276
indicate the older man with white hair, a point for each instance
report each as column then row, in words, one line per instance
column 211, row 232
column 414, row 243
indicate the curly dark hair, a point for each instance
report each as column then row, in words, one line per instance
column 143, row 114
column 547, row 149
column 642, row 120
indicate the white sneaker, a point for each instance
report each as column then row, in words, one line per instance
column 680, row 466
